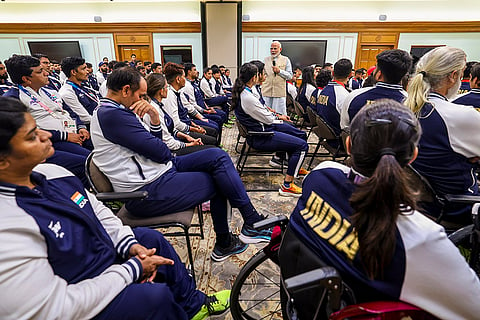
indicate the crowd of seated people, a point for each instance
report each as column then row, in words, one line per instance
column 38, row 117
column 251, row 112
column 158, row 129
column 70, row 257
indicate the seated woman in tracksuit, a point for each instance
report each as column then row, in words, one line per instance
column 134, row 158
column 286, row 127
column 178, row 142
column 67, row 256
column 362, row 221
column 255, row 116
column 306, row 90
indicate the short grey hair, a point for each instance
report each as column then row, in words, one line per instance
column 277, row 42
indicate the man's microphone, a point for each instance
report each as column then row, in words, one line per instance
column 274, row 63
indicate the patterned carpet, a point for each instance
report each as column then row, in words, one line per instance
column 215, row 276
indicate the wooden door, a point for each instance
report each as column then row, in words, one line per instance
column 142, row 52
column 368, row 53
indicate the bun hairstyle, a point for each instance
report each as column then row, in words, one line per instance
column 246, row 73
column 384, row 136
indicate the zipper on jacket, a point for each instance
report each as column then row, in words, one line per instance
column 140, row 171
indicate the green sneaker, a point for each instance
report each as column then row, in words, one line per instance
column 215, row 304
column 226, row 125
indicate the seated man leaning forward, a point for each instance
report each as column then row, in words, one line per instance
column 134, row 158
column 66, row 256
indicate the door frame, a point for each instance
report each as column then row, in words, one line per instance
column 373, row 39
column 133, row 39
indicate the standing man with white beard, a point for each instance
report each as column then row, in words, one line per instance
column 278, row 70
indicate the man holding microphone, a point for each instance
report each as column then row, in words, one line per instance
column 278, row 69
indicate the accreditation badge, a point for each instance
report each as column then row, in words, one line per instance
column 70, row 126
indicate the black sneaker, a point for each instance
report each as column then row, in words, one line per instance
column 251, row 235
column 276, row 162
column 236, row 246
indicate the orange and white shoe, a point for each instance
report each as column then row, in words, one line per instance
column 303, row 172
column 293, row 191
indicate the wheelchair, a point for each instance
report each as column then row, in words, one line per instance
column 267, row 288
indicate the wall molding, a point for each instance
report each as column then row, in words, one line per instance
column 127, row 27
column 333, row 26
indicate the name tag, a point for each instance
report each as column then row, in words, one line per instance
column 70, row 126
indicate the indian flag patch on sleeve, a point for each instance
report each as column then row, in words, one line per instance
column 79, row 199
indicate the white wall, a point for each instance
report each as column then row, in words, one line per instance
column 339, row 45
column 360, row 10
column 75, row 12
column 193, row 39
column 469, row 42
column 93, row 46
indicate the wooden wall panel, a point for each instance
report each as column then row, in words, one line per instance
column 133, row 38
column 135, row 42
column 127, row 27
column 400, row 27
column 370, row 37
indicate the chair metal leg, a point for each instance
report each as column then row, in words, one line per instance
column 245, row 156
column 313, row 156
column 200, row 220
column 239, row 137
column 240, row 158
column 190, row 254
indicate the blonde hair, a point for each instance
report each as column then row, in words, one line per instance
column 430, row 72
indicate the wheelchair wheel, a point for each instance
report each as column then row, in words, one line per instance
column 256, row 290
column 466, row 241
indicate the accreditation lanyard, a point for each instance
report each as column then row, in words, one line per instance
column 340, row 83
column 106, row 102
column 40, row 103
column 89, row 94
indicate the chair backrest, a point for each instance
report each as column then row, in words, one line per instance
column 311, row 115
column 420, row 184
column 344, row 134
column 299, row 109
column 97, row 179
column 290, row 106
column 242, row 130
column 325, row 130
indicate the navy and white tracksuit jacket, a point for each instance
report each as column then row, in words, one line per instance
column 330, row 102
column 360, row 97
column 256, row 117
column 426, row 270
column 135, row 158
column 471, row 98
column 449, row 139
column 66, row 257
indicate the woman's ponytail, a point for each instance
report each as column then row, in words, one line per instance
column 384, row 136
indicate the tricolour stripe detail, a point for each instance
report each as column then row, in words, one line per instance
column 123, row 246
column 134, row 268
